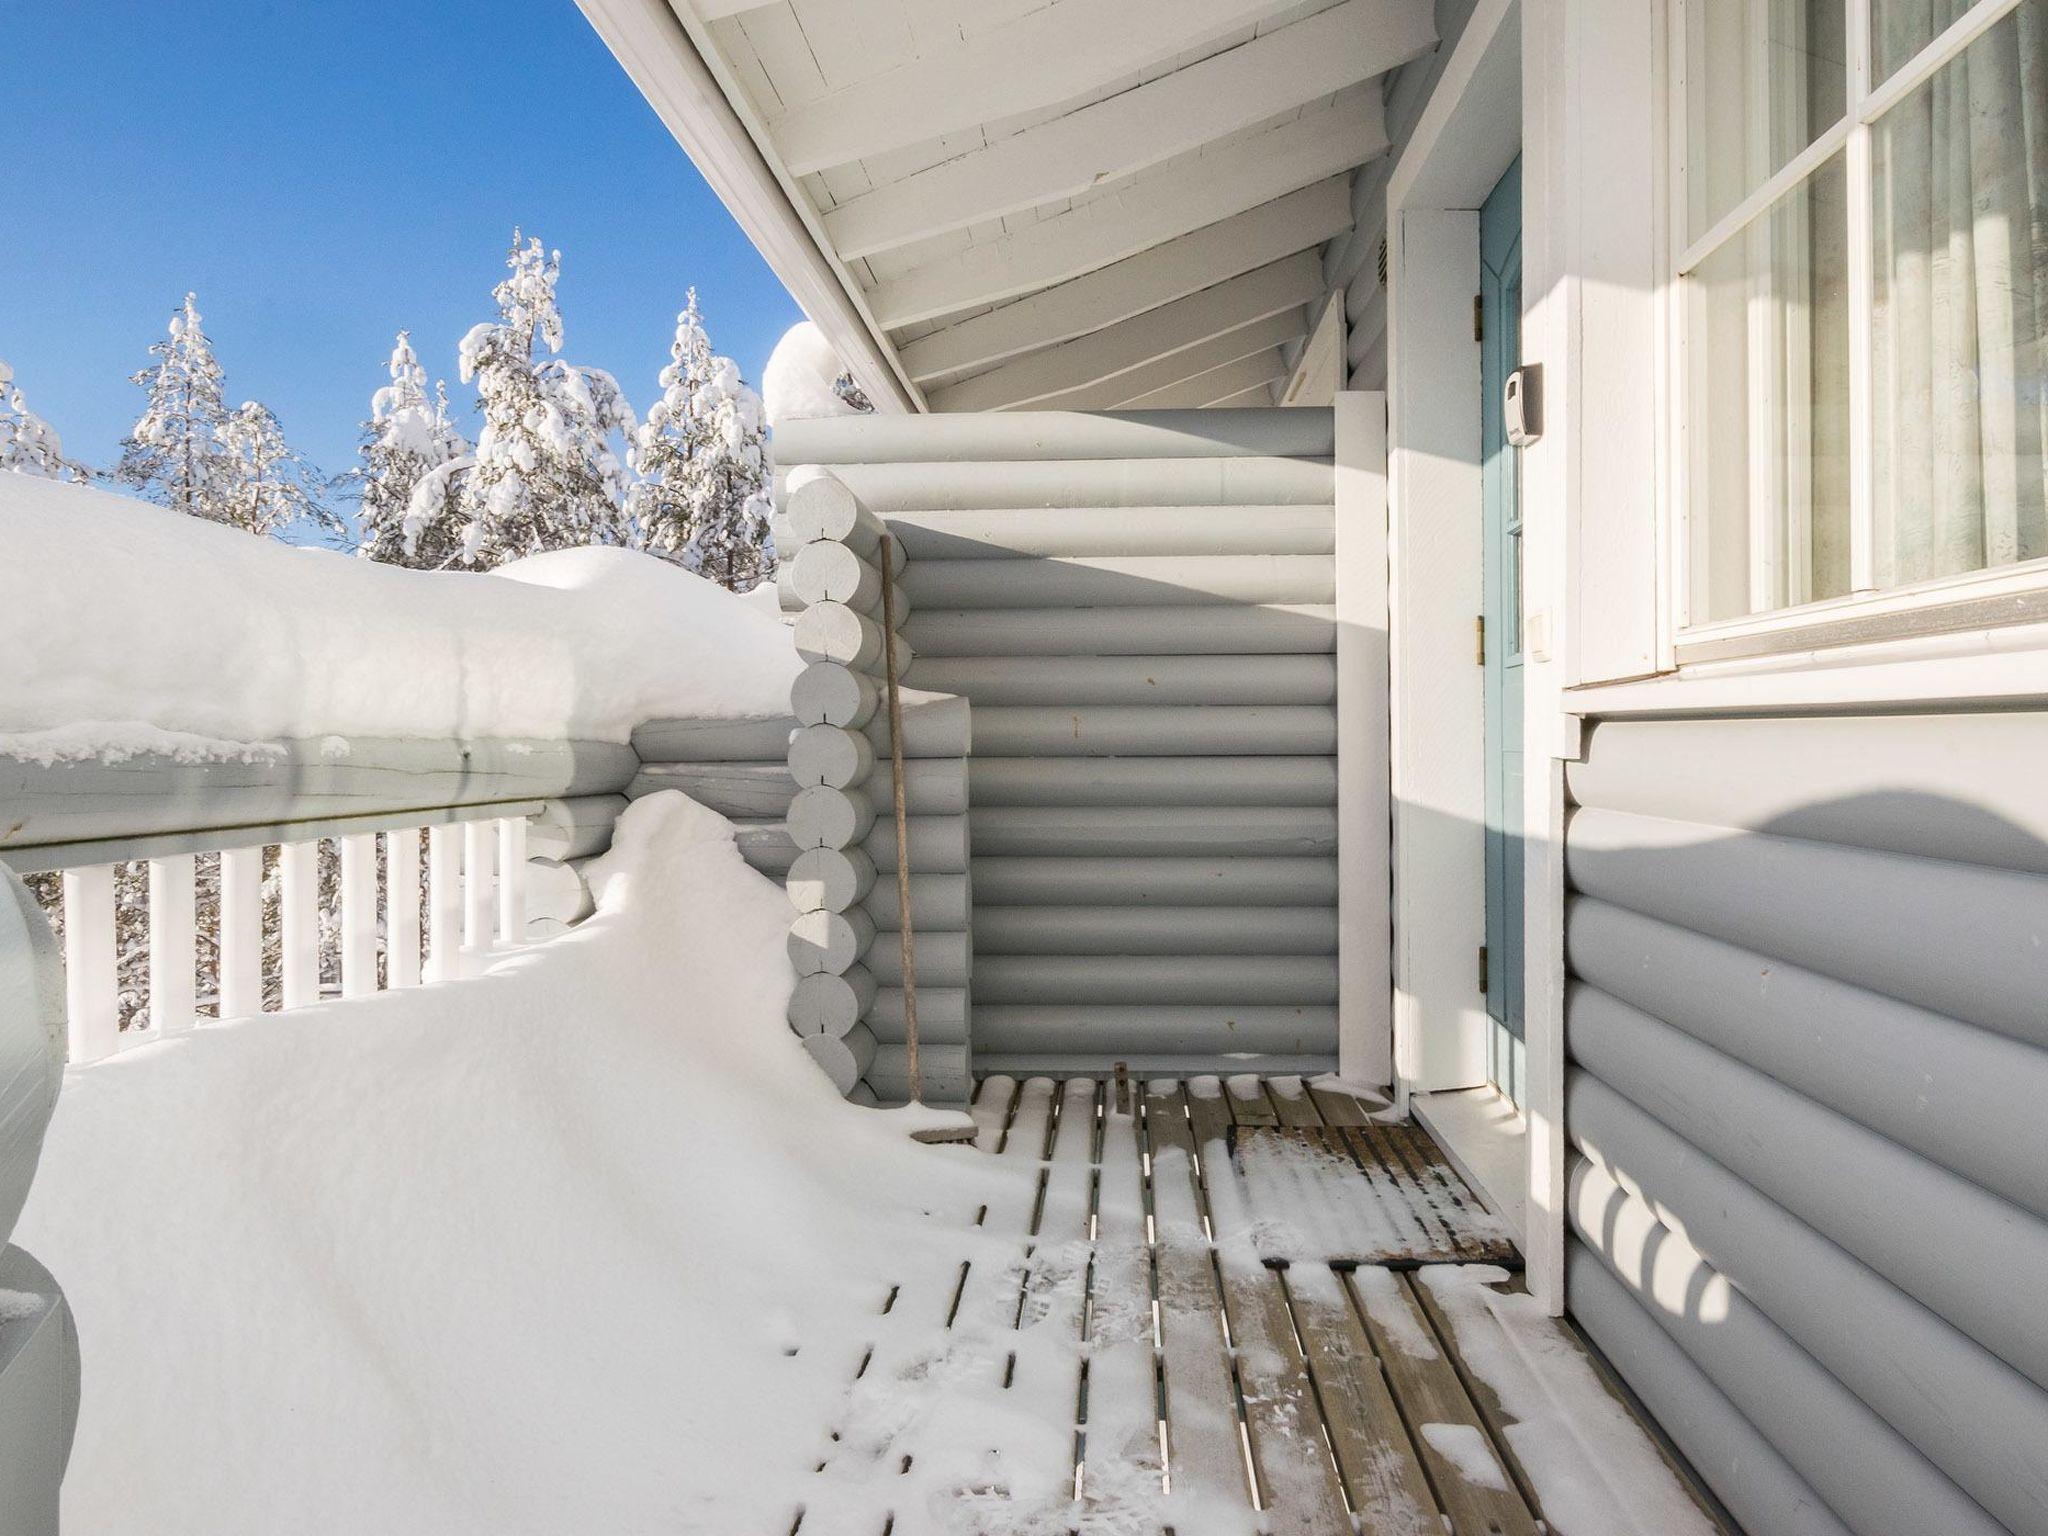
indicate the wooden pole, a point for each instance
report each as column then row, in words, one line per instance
column 902, row 822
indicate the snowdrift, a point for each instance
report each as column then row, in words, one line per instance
column 583, row 1244
column 128, row 628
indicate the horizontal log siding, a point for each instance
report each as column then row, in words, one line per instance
column 1138, row 610
column 1807, row 1058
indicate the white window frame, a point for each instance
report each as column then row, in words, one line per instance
column 1866, row 605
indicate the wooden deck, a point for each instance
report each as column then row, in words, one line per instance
column 1171, row 1309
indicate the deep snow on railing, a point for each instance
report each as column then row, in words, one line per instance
column 398, row 919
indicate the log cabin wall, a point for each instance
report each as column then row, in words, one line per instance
column 1808, row 1051
column 1138, row 608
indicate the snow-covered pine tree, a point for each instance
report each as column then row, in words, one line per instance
column 178, row 453
column 28, row 444
column 544, row 474
column 702, row 500
column 274, row 485
column 407, row 438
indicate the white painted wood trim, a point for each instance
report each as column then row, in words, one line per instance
column 479, row 847
column 402, row 907
column 241, row 932
column 692, row 96
column 1226, row 93
column 1142, row 212
column 1365, row 983
column 1056, row 52
column 358, row 914
column 444, row 902
column 91, row 991
column 512, row 880
column 1321, row 369
column 1106, row 354
column 1173, row 270
column 173, row 943
column 1444, row 100
column 298, row 869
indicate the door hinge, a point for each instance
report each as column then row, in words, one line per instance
column 1479, row 639
column 1482, row 970
column 1479, row 317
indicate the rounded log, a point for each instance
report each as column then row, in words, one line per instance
column 765, row 845
column 887, row 489
column 938, row 845
column 934, row 725
column 1153, row 1029
column 973, row 436
column 830, row 755
column 1181, row 631
column 555, row 889
column 1281, row 679
column 938, row 903
column 844, row 1058
column 1168, row 730
column 1156, row 930
column 1201, row 831
column 823, row 817
column 1012, row 533
column 819, row 506
column 574, row 828
column 829, row 879
column 835, row 632
column 731, row 789
column 760, row 739
column 1154, row 781
column 1110, row 581
column 1222, row 980
column 941, row 1015
column 943, row 959
column 1236, row 882
column 829, row 943
column 831, row 693
column 827, row 572
column 944, row 1069
column 829, row 1004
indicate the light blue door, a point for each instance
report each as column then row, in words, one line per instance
column 1500, row 301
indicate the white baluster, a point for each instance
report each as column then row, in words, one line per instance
column 512, row 880
column 241, row 932
column 402, row 907
column 90, row 996
column 173, row 913
column 477, row 848
column 444, row 903
column 299, row 869
column 359, row 914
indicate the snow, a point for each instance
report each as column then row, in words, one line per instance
column 1593, row 1468
column 585, row 1243
column 1465, row 1448
column 799, row 381
column 119, row 619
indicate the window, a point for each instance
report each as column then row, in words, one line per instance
column 1861, row 301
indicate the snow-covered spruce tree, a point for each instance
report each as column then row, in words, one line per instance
column 178, row 453
column 274, row 487
column 543, row 475
column 407, row 438
column 28, row 444
column 702, row 500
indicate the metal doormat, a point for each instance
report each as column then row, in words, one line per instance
column 1361, row 1194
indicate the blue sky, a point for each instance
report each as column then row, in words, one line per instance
column 324, row 174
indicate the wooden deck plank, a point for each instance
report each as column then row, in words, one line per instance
column 1292, row 1102
column 1375, row 1453
column 1120, row 1429
column 1248, row 1102
column 1298, row 1483
column 1396, row 1180
column 1340, row 1107
column 1448, row 1430
column 1205, row 1456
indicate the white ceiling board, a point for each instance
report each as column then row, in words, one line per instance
column 1272, row 289
column 1262, row 368
column 1053, row 54
column 1139, row 283
column 1226, row 92
column 1144, row 212
column 1233, row 346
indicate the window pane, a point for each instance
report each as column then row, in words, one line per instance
column 1959, row 218
column 1764, row 79
column 1767, row 408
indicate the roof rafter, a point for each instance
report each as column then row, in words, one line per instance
column 1138, row 283
column 1109, row 353
column 1143, row 212
column 1174, row 368
column 1059, row 52
column 1217, row 384
column 1223, row 94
